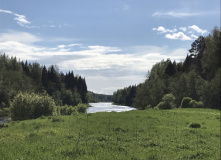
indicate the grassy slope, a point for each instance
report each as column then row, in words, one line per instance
column 151, row 134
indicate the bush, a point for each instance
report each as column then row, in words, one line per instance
column 188, row 102
column 30, row 105
column 82, row 108
column 5, row 112
column 200, row 104
column 65, row 110
column 185, row 103
column 148, row 106
column 70, row 110
column 193, row 104
column 167, row 103
column 162, row 105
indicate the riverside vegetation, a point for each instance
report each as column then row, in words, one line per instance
column 197, row 77
column 181, row 133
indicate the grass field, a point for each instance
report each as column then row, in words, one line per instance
column 133, row 135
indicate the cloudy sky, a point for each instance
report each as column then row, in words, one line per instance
column 111, row 43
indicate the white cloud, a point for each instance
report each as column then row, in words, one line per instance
column 56, row 25
column 174, row 14
column 161, row 29
column 194, row 36
column 21, row 37
column 191, row 32
column 181, row 14
column 117, row 67
column 179, row 35
column 184, row 29
column 197, row 29
column 20, row 19
column 103, row 49
column 6, row 11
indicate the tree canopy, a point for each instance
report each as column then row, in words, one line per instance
column 16, row 75
column 197, row 77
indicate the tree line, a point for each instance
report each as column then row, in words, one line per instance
column 16, row 75
column 197, row 77
column 95, row 97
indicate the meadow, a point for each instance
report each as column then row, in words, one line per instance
column 133, row 135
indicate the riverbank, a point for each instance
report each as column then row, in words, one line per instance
column 150, row 134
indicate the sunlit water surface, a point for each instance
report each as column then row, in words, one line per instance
column 107, row 107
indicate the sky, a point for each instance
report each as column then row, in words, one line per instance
column 113, row 44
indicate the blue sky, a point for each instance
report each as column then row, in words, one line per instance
column 111, row 43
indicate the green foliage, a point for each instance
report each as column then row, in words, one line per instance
column 186, row 102
column 197, row 77
column 193, row 104
column 70, row 110
column 200, row 104
column 167, row 102
column 148, row 106
column 29, row 105
column 4, row 112
column 82, row 108
column 125, row 96
column 26, row 77
column 94, row 97
column 65, row 110
column 71, row 97
column 211, row 56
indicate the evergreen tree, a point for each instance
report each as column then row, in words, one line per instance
column 44, row 78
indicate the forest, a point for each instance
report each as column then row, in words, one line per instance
column 196, row 78
column 95, row 97
column 16, row 75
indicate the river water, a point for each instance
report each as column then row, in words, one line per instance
column 107, row 107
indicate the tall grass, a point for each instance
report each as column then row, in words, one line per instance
column 151, row 134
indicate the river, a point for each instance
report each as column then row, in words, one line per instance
column 107, row 107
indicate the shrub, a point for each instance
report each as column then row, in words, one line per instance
column 65, row 110
column 70, row 110
column 188, row 102
column 167, row 103
column 30, row 105
column 162, row 105
column 185, row 103
column 200, row 104
column 4, row 112
column 148, row 106
column 82, row 108
column 156, row 108
column 193, row 104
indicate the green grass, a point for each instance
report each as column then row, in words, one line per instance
column 135, row 135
